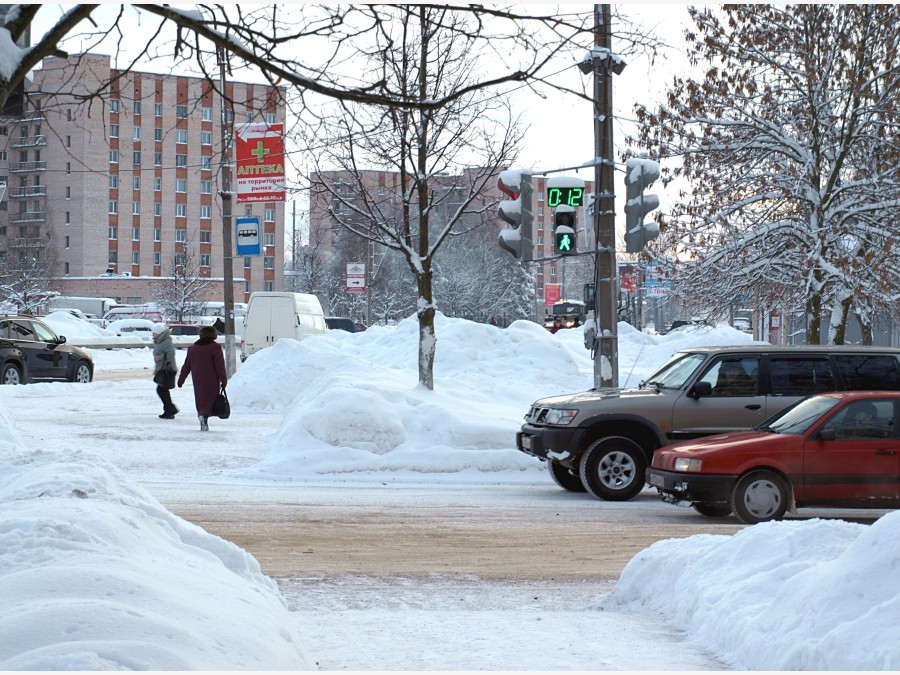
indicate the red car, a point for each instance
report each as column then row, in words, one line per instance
column 839, row 449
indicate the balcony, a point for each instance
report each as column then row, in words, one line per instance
column 27, row 217
column 29, row 141
column 29, row 191
column 27, row 167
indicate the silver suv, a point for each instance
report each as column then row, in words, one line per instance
column 601, row 441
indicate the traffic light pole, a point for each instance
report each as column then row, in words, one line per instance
column 606, row 345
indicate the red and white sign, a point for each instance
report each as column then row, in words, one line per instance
column 356, row 277
column 259, row 162
column 552, row 294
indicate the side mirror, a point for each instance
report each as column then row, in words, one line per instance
column 826, row 435
column 60, row 339
column 700, row 389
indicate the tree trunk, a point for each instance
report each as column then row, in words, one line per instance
column 839, row 329
column 427, row 340
column 814, row 319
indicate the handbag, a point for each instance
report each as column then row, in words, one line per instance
column 222, row 408
column 165, row 378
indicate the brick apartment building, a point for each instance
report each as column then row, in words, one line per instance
column 570, row 272
column 112, row 187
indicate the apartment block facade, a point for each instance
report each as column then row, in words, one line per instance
column 116, row 176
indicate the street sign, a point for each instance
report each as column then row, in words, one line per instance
column 356, row 277
column 246, row 232
column 259, row 162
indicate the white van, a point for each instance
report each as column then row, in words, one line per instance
column 272, row 315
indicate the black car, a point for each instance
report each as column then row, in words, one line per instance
column 31, row 352
column 341, row 323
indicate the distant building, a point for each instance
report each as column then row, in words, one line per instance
column 113, row 185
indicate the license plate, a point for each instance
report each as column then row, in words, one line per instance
column 526, row 442
column 656, row 481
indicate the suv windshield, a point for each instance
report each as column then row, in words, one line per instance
column 674, row 374
column 799, row 417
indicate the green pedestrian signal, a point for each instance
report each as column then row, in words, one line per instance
column 564, row 243
column 564, row 229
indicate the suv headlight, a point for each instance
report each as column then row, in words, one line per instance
column 685, row 464
column 560, row 416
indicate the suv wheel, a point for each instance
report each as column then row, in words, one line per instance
column 82, row 372
column 759, row 496
column 613, row 469
column 566, row 478
column 11, row 374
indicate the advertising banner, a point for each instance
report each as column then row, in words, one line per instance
column 552, row 294
column 259, row 162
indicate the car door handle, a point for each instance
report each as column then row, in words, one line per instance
column 753, row 406
column 885, row 452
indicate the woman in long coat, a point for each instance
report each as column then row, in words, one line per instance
column 206, row 365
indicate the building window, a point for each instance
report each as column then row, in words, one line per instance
column 157, row 134
column 137, row 134
column 205, row 211
column 68, row 192
column 540, row 211
column 68, row 141
column 157, row 209
column 4, row 131
column 204, row 260
column 113, row 257
column 180, row 210
column 135, row 234
column 136, row 183
column 113, row 130
column 66, row 268
column 181, row 111
column 113, row 182
column 205, row 187
column 157, row 184
column 135, row 208
column 68, row 165
column 206, row 114
column 23, row 131
column 137, row 108
column 68, row 217
column 271, row 118
column 181, row 135
column 67, row 241
column 180, row 160
column 249, row 116
column 270, row 215
column 181, row 185
column 113, row 206
column 205, row 138
column 269, row 286
column 157, row 110
column 136, row 156
column 540, row 196
column 181, row 235
column 113, row 105
column 270, row 239
column 205, row 236
column 156, row 258
column 248, row 210
column 206, row 163
column 157, row 234
column 113, row 232
column 135, row 257
column 268, row 262
column 113, row 156
column 157, row 159
column 247, row 261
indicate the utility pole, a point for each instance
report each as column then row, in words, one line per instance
column 606, row 345
column 227, row 228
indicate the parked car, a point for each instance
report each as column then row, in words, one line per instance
column 184, row 329
column 30, row 351
column 138, row 328
column 341, row 323
column 837, row 449
column 602, row 440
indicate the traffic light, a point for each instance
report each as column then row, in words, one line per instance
column 565, row 194
column 564, row 229
column 639, row 173
column 516, row 211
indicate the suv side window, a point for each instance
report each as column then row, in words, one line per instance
column 43, row 333
column 733, row 376
column 800, row 376
column 20, row 330
column 4, row 330
column 863, row 371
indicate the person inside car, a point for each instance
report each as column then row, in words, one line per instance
column 733, row 380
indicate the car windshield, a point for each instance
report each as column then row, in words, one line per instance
column 799, row 417
column 673, row 374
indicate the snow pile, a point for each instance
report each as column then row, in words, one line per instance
column 813, row 595
column 96, row 575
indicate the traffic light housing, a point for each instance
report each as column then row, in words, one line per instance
column 516, row 211
column 639, row 174
column 564, row 229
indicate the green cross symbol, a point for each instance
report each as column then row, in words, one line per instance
column 260, row 151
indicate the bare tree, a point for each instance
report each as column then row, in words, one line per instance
column 789, row 143
column 181, row 294
column 26, row 278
